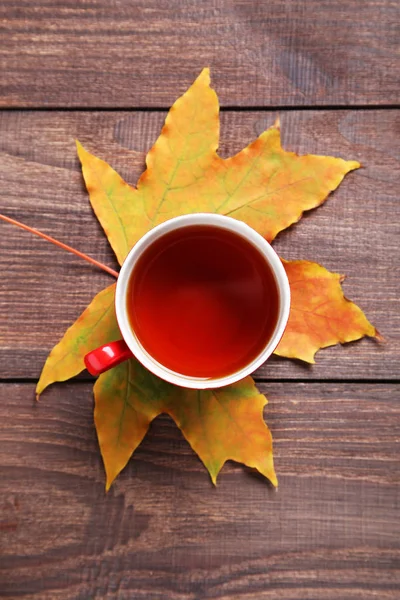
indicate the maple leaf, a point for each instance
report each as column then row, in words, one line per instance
column 221, row 424
column 266, row 187
column 263, row 185
column 320, row 315
column 96, row 326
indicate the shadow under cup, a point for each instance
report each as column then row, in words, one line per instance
column 202, row 300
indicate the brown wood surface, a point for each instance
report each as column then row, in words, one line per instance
column 44, row 290
column 330, row 532
column 143, row 53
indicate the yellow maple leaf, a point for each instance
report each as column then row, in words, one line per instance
column 266, row 187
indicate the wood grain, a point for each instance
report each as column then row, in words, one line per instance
column 44, row 289
column 330, row 531
column 144, row 53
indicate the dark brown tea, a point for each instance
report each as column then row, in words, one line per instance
column 203, row 301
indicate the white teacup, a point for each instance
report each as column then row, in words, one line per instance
column 113, row 353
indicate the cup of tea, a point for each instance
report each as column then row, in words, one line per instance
column 202, row 300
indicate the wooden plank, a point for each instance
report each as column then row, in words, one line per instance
column 356, row 232
column 138, row 54
column 330, row 531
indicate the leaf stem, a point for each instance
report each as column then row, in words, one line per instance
column 60, row 245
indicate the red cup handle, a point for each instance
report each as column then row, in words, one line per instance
column 107, row 356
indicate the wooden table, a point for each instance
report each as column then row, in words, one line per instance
column 106, row 72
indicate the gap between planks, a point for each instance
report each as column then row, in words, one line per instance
column 162, row 109
column 85, row 379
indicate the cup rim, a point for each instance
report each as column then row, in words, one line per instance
column 224, row 222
